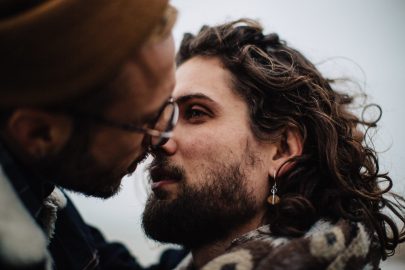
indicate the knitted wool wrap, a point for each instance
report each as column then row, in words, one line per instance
column 341, row 246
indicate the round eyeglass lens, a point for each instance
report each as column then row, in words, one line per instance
column 165, row 124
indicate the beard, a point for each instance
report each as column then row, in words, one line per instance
column 201, row 214
column 76, row 169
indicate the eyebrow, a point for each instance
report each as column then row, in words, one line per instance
column 183, row 99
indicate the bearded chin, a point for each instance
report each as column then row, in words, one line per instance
column 201, row 215
column 74, row 168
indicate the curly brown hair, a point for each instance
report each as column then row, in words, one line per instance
column 337, row 176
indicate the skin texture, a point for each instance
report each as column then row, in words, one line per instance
column 146, row 85
column 94, row 160
column 211, row 128
column 212, row 143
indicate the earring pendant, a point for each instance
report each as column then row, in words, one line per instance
column 273, row 199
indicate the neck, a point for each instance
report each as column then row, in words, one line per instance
column 204, row 254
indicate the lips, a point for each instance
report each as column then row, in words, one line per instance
column 161, row 176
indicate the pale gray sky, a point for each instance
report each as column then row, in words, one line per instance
column 365, row 37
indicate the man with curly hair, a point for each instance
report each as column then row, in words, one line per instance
column 267, row 168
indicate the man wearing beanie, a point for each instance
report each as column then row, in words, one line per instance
column 84, row 92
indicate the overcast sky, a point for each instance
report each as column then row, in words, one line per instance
column 365, row 39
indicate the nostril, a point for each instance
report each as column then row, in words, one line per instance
column 167, row 148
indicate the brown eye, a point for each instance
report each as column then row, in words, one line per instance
column 195, row 113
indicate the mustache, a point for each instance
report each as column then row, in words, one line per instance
column 161, row 167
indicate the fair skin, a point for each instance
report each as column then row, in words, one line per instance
column 214, row 126
column 143, row 85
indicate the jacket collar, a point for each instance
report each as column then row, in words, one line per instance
column 17, row 227
column 30, row 189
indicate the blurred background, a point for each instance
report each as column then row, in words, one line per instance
column 359, row 39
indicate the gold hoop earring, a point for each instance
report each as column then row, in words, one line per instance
column 273, row 199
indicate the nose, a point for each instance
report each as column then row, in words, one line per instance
column 170, row 147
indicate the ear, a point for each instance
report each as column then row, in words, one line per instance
column 289, row 146
column 37, row 133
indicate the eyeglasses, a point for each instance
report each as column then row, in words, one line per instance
column 159, row 130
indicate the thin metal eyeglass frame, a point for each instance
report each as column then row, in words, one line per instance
column 163, row 135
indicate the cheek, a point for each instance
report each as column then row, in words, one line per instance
column 261, row 189
column 204, row 152
column 114, row 147
column 218, row 140
column 199, row 155
column 258, row 177
column 201, row 148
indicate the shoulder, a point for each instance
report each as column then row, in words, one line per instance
column 344, row 245
column 16, row 226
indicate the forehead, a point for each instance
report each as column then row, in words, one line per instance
column 205, row 75
column 147, row 80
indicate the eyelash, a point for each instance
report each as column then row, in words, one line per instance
column 195, row 109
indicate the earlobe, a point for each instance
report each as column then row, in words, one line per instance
column 289, row 147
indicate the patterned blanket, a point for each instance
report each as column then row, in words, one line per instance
column 344, row 245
